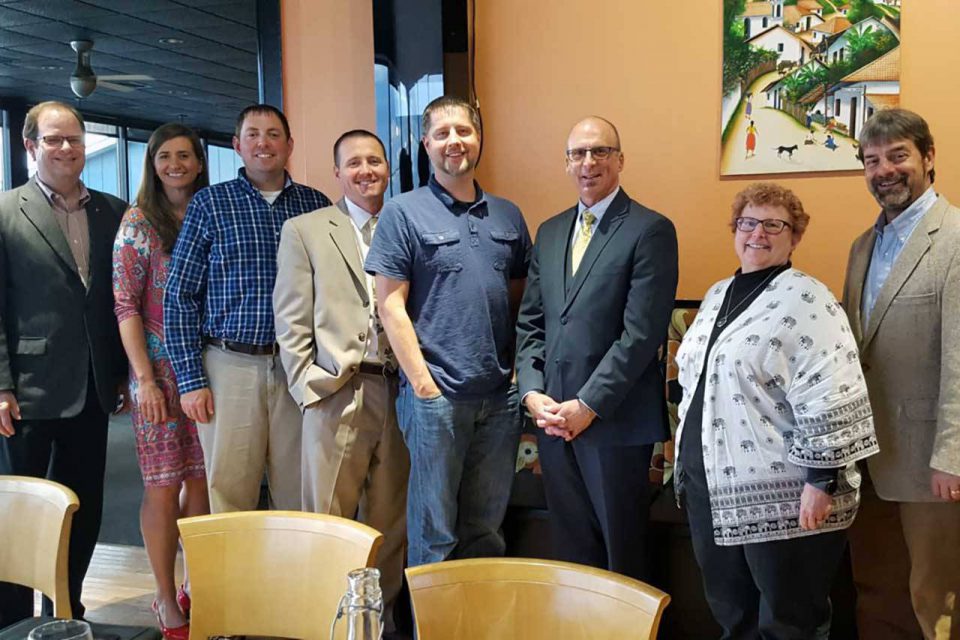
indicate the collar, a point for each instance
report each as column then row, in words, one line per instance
column 451, row 203
column 904, row 223
column 55, row 198
column 358, row 214
column 253, row 189
column 599, row 208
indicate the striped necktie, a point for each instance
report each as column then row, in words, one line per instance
column 583, row 239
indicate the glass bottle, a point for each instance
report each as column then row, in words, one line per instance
column 362, row 606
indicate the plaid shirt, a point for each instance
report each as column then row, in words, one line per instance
column 223, row 269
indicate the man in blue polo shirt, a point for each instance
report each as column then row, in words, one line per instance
column 450, row 263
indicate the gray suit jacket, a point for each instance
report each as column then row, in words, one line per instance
column 320, row 303
column 53, row 330
column 910, row 353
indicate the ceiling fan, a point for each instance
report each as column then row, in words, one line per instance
column 84, row 81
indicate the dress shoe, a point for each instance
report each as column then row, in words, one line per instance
column 171, row 633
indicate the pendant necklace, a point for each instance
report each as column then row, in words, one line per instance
column 723, row 321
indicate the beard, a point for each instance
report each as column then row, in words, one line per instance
column 896, row 198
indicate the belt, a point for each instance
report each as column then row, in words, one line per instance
column 373, row 369
column 243, row 347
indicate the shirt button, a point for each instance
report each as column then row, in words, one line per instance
column 361, row 337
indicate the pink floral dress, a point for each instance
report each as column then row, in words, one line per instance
column 168, row 452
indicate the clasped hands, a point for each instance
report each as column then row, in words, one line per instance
column 565, row 420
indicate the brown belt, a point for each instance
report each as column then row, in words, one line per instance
column 243, row 347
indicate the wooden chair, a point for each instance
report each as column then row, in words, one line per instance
column 271, row 573
column 35, row 519
column 506, row 598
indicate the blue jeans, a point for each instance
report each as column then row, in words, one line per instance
column 462, row 462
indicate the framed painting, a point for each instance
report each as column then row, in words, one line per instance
column 800, row 77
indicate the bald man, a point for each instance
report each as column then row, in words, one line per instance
column 600, row 291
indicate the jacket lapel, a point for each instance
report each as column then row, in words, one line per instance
column 859, row 263
column 559, row 249
column 608, row 226
column 343, row 237
column 34, row 205
column 101, row 236
column 918, row 244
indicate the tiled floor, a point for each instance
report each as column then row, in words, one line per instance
column 119, row 586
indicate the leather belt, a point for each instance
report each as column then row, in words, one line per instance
column 243, row 347
column 373, row 369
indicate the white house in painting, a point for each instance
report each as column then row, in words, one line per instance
column 775, row 92
column 870, row 88
column 838, row 47
column 786, row 43
column 760, row 15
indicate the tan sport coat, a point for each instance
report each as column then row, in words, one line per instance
column 910, row 353
column 320, row 303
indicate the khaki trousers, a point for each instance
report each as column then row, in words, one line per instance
column 906, row 566
column 355, row 465
column 254, row 427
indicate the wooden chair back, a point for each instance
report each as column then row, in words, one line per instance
column 35, row 519
column 271, row 573
column 506, row 598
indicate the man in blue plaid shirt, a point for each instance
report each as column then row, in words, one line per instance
column 218, row 317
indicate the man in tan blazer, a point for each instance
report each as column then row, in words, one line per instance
column 338, row 362
column 902, row 294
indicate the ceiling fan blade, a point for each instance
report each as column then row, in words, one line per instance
column 114, row 86
column 129, row 77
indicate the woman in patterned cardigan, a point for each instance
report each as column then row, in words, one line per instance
column 168, row 449
column 775, row 413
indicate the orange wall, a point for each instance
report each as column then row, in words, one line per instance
column 327, row 81
column 653, row 68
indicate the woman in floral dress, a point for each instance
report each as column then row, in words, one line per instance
column 171, row 460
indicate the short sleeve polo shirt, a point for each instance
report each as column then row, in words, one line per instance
column 459, row 258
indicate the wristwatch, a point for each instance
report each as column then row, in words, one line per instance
column 827, row 485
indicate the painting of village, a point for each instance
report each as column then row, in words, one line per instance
column 800, row 77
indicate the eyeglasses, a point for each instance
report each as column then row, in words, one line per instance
column 770, row 225
column 55, row 142
column 598, row 153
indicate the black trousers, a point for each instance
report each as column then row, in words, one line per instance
column 599, row 502
column 71, row 451
column 776, row 590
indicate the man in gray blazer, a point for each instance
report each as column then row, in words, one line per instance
column 61, row 361
column 902, row 295
column 339, row 365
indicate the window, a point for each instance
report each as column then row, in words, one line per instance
column 765, row 23
column 102, row 170
column 223, row 163
column 836, row 108
column 3, row 172
column 136, row 151
column 780, row 48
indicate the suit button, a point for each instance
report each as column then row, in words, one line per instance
column 361, row 337
column 563, row 320
column 557, row 361
column 354, row 368
column 365, row 304
column 865, row 367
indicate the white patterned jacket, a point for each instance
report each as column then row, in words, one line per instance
column 784, row 391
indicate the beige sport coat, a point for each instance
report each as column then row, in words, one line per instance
column 320, row 303
column 910, row 353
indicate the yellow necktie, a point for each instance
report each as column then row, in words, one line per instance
column 583, row 239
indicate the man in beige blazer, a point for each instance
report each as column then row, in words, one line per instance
column 902, row 294
column 338, row 362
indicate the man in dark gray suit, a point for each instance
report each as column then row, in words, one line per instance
column 61, row 361
column 600, row 291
